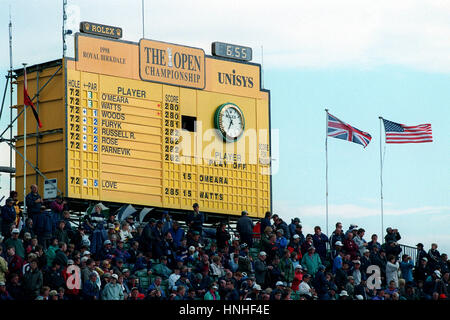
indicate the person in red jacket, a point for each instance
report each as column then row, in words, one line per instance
column 73, row 281
column 298, row 278
column 350, row 246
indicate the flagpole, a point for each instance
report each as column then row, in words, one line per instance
column 24, row 142
column 11, row 95
column 381, row 179
column 326, row 168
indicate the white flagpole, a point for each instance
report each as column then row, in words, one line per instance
column 381, row 180
column 326, row 167
column 143, row 21
column 24, row 142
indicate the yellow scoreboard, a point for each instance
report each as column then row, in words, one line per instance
column 159, row 124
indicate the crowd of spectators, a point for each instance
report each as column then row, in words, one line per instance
column 43, row 256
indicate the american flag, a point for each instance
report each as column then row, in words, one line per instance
column 399, row 133
column 340, row 130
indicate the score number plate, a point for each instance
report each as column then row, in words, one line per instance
column 231, row 51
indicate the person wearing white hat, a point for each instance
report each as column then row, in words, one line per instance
column 261, row 268
column 212, row 293
column 113, row 290
column 15, row 242
column 343, row 295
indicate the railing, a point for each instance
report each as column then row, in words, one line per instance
column 411, row 251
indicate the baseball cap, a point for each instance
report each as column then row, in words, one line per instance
column 296, row 236
column 359, row 297
column 279, row 283
column 115, row 276
column 338, row 243
column 299, row 267
column 84, row 259
column 367, row 250
column 310, row 248
column 437, row 273
column 15, row 230
column 343, row 293
column 86, row 253
column 2, row 283
column 191, row 248
column 69, row 262
column 53, row 293
column 110, row 226
column 356, row 261
column 215, row 287
column 280, row 231
column 297, row 220
column 424, row 259
column 262, row 253
column 107, row 242
column 257, row 287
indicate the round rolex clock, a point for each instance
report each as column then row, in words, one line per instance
column 229, row 120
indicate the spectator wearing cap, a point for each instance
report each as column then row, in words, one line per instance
column 352, row 228
column 4, row 294
column 298, row 278
column 8, row 217
column 27, row 227
column 195, row 219
column 338, row 260
column 350, row 246
column 274, row 272
column 212, row 293
column 421, row 253
column 321, row 284
column 156, row 285
column 245, row 228
column 311, row 261
column 320, row 242
column 107, row 250
column 350, row 287
column 357, row 274
column 161, row 269
column 15, row 242
column 120, row 252
column 392, row 235
column 293, row 226
column 113, row 290
column 281, row 242
column 177, row 234
column 305, row 289
column 295, row 246
column 261, row 268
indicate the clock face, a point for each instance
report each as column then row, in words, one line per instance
column 229, row 119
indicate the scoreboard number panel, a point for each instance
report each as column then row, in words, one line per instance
column 125, row 136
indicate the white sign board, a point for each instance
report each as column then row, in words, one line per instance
column 50, row 189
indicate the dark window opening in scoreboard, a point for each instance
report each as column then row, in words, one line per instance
column 188, row 123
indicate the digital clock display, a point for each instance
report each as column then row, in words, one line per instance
column 231, row 51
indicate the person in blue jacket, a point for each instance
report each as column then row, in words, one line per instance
column 43, row 227
column 34, row 201
column 406, row 267
column 8, row 215
column 320, row 242
column 90, row 289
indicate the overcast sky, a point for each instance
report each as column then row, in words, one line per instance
column 361, row 59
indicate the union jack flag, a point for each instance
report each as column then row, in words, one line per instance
column 341, row 130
